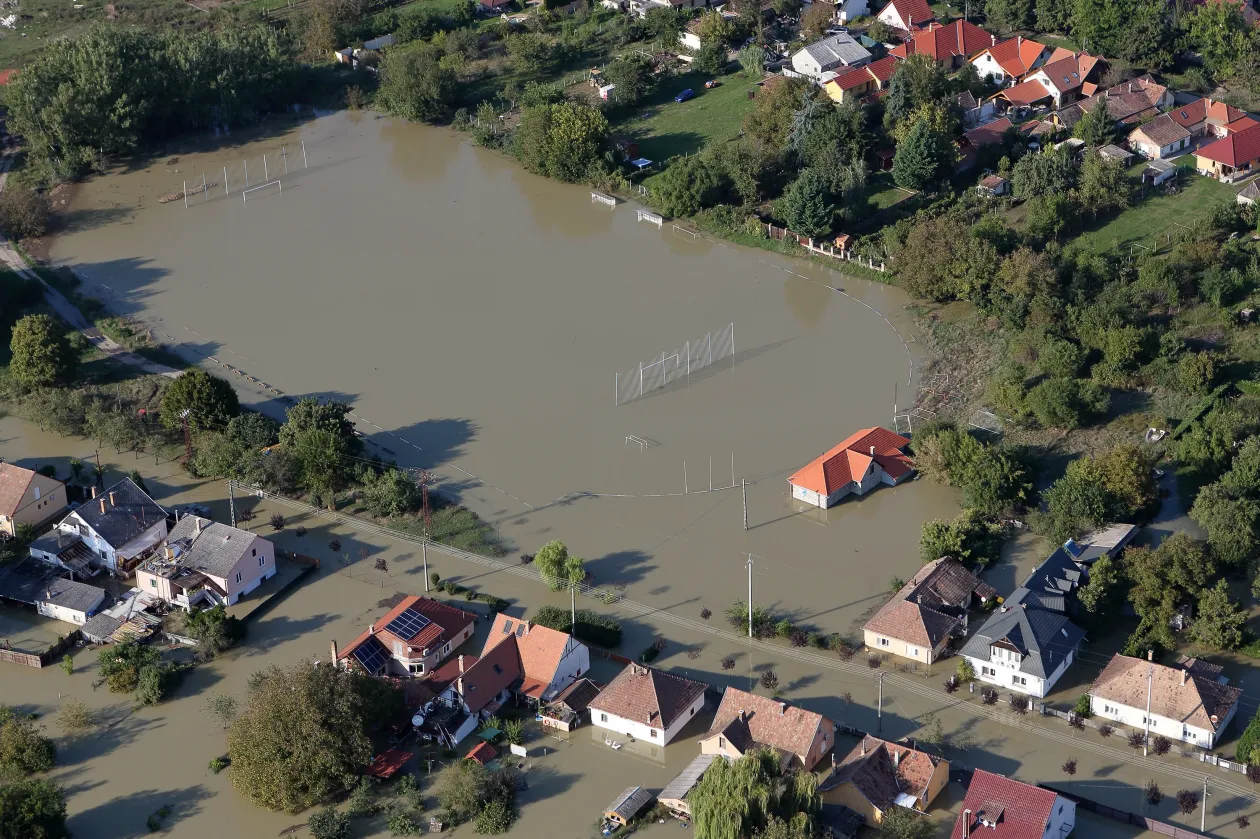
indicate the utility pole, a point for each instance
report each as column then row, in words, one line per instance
column 1150, row 677
column 424, row 545
column 744, row 490
column 183, row 418
column 1203, row 812
column 750, row 609
column 879, row 724
column 232, row 501
column 572, row 609
column 100, row 474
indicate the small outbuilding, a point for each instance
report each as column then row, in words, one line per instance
column 1159, row 172
column 1114, row 152
column 1249, row 194
column 626, row 806
column 482, row 753
column 386, row 764
column 674, row 796
column 993, row 186
column 567, row 710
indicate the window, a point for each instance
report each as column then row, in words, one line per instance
column 721, row 742
column 152, row 583
column 253, row 551
column 1018, row 680
column 238, row 576
column 262, row 561
column 653, row 733
column 987, row 671
column 37, row 495
column 603, row 718
column 883, row 642
column 914, row 651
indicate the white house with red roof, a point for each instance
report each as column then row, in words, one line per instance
column 648, row 705
column 1010, row 60
column 868, row 458
column 997, row 807
column 949, row 45
column 1062, row 79
column 906, row 14
column 412, row 639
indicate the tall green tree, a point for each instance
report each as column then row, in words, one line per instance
column 23, row 749
column 689, row 185
column 741, row 798
column 1010, row 14
column 559, row 568
column 806, row 207
column 415, row 84
column 1221, row 35
column 211, row 401
column 1095, row 126
column 631, row 72
column 1219, row 623
column 922, row 158
column 41, row 353
column 302, row 736
column 561, row 141
column 33, row 809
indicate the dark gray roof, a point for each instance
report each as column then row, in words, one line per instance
column 1057, row 576
column 32, row 581
column 686, row 780
column 630, row 802
column 215, row 550
column 1044, row 637
column 100, row 627
column 840, row 48
column 56, row 541
column 129, row 514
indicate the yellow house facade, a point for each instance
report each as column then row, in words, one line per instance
column 879, row 775
column 27, row 497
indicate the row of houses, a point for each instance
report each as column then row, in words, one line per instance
column 122, row 532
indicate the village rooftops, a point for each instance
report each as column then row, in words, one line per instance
column 121, row 513
column 996, row 807
column 942, row 42
column 31, row 581
column 201, row 545
column 646, row 695
column 1016, row 56
column 415, row 625
column 1190, row 693
column 1108, row 541
column 578, row 696
column 1042, row 637
column 747, row 721
column 1162, row 132
column 884, row 773
column 1203, row 110
column 838, row 48
column 909, row 13
column 925, row 610
column 13, row 483
column 1235, row 150
column 853, row 457
column 538, row 649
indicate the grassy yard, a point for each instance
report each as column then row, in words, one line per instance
column 664, row 128
column 885, row 193
column 1160, row 213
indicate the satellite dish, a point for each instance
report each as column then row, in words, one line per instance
column 418, row 719
column 1215, row 719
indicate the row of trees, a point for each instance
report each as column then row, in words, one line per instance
column 29, row 807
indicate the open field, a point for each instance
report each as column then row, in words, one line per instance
column 664, row 128
column 1152, row 217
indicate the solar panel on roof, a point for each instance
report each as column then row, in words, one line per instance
column 408, row 624
column 371, row 654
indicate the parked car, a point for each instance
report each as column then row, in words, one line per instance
column 685, row 95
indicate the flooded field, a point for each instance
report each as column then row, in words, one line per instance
column 477, row 317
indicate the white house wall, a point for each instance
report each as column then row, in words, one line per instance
column 1172, row 729
column 642, row 731
column 575, row 662
column 986, row 65
column 61, row 613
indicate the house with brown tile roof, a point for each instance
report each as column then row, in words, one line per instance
column 879, row 775
column 746, row 721
column 949, row 45
column 919, row 620
column 27, row 497
column 1205, row 116
column 648, row 704
column 1010, row 60
column 547, row 661
column 1060, row 79
column 1128, row 103
column 1191, row 702
column 996, row 807
column 411, row 639
column 1159, row 138
column 857, row 465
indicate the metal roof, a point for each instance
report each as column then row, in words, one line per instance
column 685, row 781
column 841, row 48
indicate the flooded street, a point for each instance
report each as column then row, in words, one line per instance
column 477, row 317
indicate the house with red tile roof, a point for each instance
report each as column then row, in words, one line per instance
column 997, row 807
column 1060, row 80
column 861, row 82
column 746, row 721
column 906, row 14
column 878, row 775
column 647, row 704
column 1127, row 103
column 949, row 45
column 411, row 639
column 1010, row 60
column 919, row 620
column 547, row 661
column 1206, row 116
column 27, row 497
column 857, row 465
column 1233, row 156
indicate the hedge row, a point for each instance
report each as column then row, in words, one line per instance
column 598, row 629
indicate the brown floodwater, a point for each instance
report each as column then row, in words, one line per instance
column 476, row 318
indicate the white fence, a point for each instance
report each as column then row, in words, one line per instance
column 673, row 365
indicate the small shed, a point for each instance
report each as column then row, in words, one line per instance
column 378, row 44
column 1114, row 152
column 1158, row 172
column 1250, row 193
column 386, row 764
column 606, row 91
column 483, row 753
column 993, row 185
column 674, row 796
column 567, row 710
column 844, row 244
column 98, row 628
column 626, row 806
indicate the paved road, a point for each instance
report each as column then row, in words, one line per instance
column 68, row 312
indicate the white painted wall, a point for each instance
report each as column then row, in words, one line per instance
column 1062, row 819
column 575, row 661
column 1172, row 729
column 847, row 10
column 1005, row 674
column 642, row 731
column 51, row 610
column 986, row 65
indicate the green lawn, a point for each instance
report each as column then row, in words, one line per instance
column 885, row 193
column 1150, row 218
column 664, row 128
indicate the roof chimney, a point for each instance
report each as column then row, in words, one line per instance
column 372, row 631
column 741, row 714
column 872, row 451
column 461, row 665
column 993, row 40
column 966, row 823
column 1150, row 655
column 782, row 708
column 459, row 680
column 1183, row 678
column 863, row 746
column 896, row 756
column 93, row 492
column 112, row 503
column 196, row 526
column 333, row 650
column 102, row 506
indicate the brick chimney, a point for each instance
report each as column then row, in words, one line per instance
column 333, row 652
column 112, row 503
column 94, row 492
column 459, row 681
column 196, row 526
column 966, row 823
column 102, row 506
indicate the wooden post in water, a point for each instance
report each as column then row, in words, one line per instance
column 305, row 164
column 205, row 190
column 225, row 186
column 185, row 195
column 284, row 154
column 246, row 162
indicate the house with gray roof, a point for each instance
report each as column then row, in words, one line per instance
column 207, row 561
column 828, row 56
column 1028, row 643
column 118, row 528
column 39, row 584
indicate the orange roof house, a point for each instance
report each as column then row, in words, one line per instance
column 906, row 14
column 1205, row 116
column 866, row 459
column 746, row 721
column 1231, row 156
column 949, row 45
column 1011, row 59
column 862, row 81
column 411, row 639
column 1062, row 77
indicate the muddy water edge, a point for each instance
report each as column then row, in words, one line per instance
column 477, row 318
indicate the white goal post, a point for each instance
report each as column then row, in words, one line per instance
column 276, row 183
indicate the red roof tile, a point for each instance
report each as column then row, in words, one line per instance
column 837, row 467
column 1234, row 150
column 647, row 695
column 770, row 722
column 1022, row 811
column 1016, row 56
column 990, row 133
column 911, row 11
column 942, row 42
column 6, row 76
column 386, row 764
column 483, row 753
column 1026, row 93
column 13, row 483
column 445, row 622
column 1240, row 124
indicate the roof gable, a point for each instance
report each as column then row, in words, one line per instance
column 769, row 722
column 1022, row 811
column 445, row 622
column 834, row 469
column 540, row 649
column 646, row 695
column 1235, row 149
column 910, row 12
column 13, row 483
column 121, row 513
